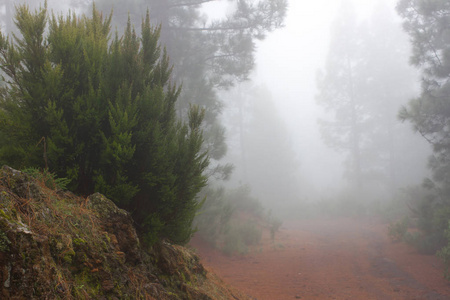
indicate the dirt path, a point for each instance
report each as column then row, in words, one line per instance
column 330, row 259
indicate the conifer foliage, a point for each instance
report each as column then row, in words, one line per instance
column 427, row 23
column 101, row 112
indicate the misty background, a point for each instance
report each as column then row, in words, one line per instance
column 285, row 85
column 284, row 137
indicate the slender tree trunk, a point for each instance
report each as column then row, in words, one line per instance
column 392, row 158
column 242, row 140
column 355, row 135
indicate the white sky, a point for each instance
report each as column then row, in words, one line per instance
column 287, row 63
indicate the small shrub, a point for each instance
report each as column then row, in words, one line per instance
column 429, row 244
column 412, row 238
column 444, row 254
column 242, row 199
column 426, row 244
column 233, row 242
column 238, row 237
column 251, row 235
column 397, row 231
column 214, row 216
column 49, row 179
column 219, row 211
column 274, row 225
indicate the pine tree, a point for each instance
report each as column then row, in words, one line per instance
column 427, row 24
column 338, row 93
column 364, row 83
column 102, row 112
column 210, row 54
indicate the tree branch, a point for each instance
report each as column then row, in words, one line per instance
column 210, row 28
column 199, row 2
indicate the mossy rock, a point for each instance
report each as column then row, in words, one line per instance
column 104, row 207
column 20, row 183
column 65, row 247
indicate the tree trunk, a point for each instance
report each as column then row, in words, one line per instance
column 355, row 136
column 242, row 140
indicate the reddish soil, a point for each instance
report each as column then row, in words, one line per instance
column 330, row 259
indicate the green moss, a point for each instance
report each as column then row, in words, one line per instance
column 106, row 235
column 68, row 256
column 78, row 242
column 86, row 282
column 4, row 242
column 14, row 213
column 12, row 182
column 4, row 215
column 5, row 198
column 118, row 289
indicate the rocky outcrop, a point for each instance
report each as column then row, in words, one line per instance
column 54, row 245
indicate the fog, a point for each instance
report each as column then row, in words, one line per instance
column 303, row 44
column 285, row 140
column 272, row 119
column 287, row 64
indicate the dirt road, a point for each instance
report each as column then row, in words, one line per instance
column 330, row 259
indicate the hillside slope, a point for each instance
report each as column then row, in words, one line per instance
column 55, row 245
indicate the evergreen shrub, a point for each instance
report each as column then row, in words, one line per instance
column 106, row 109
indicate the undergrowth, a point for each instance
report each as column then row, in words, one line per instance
column 232, row 220
column 444, row 254
column 61, row 220
column 240, row 236
column 397, row 230
column 70, row 228
column 49, row 179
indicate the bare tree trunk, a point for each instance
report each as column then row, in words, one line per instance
column 392, row 158
column 242, row 139
column 355, row 135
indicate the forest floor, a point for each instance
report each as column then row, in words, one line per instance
column 330, row 258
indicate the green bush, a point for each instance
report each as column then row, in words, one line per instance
column 397, row 230
column 242, row 200
column 424, row 244
column 239, row 236
column 220, row 206
column 215, row 215
column 251, row 234
column 106, row 110
column 432, row 221
column 444, row 253
column 49, row 179
column 412, row 238
column 233, row 243
column 275, row 225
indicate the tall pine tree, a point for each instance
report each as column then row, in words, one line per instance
column 427, row 22
column 209, row 53
column 102, row 113
column 364, row 83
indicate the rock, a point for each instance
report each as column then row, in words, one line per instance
column 54, row 245
column 20, row 183
column 118, row 224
